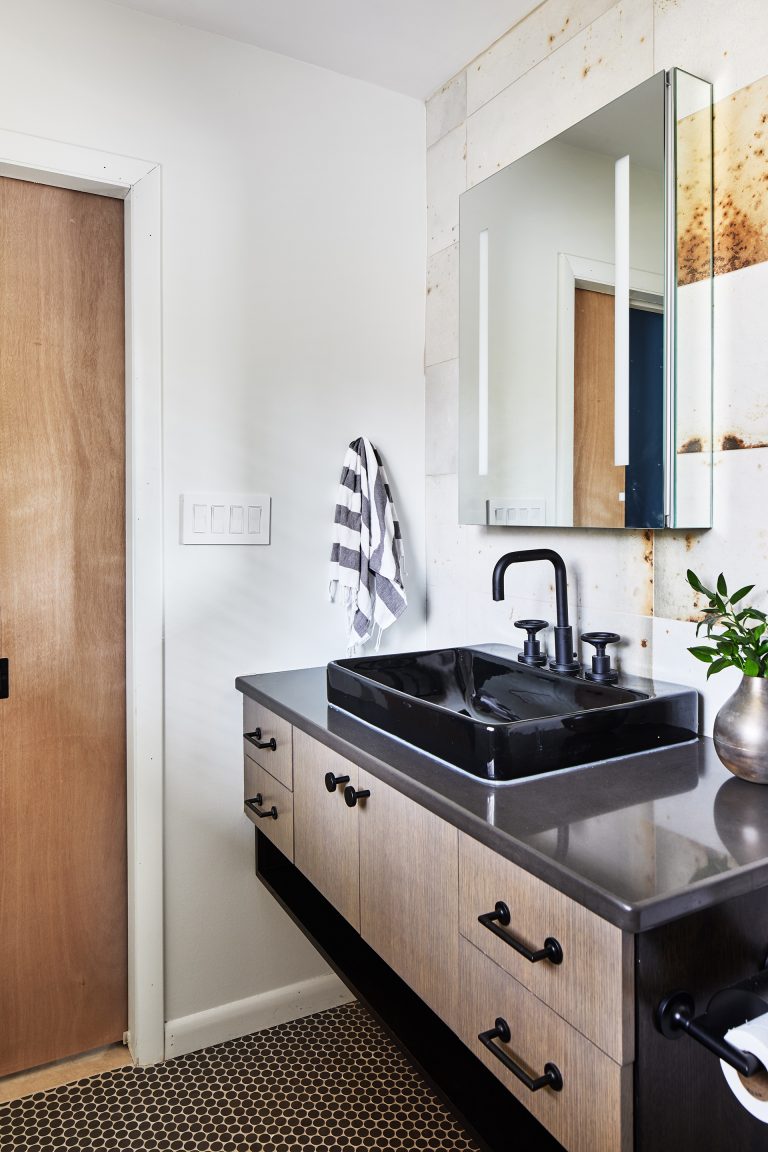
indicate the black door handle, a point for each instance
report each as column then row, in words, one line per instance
column 255, row 739
column 4, row 679
column 551, row 1077
column 255, row 807
column 551, row 950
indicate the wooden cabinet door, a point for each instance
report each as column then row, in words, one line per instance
column 409, row 893
column 325, row 828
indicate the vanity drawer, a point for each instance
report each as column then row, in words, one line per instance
column 593, row 1110
column 260, row 726
column 592, row 987
column 269, row 796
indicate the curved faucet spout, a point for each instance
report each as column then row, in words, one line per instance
column 565, row 658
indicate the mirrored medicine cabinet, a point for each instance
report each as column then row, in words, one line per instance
column 585, row 364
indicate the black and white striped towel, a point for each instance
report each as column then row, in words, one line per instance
column 367, row 552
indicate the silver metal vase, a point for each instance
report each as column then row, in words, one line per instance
column 741, row 730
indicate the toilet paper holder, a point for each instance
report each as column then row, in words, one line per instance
column 728, row 1008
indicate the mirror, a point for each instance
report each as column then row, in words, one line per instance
column 585, row 395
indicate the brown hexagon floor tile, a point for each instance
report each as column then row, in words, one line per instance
column 331, row 1082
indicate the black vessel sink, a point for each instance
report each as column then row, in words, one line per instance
column 486, row 713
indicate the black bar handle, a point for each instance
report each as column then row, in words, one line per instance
column 550, row 1078
column 674, row 1015
column 4, row 679
column 551, row 951
column 332, row 781
column 255, row 807
column 351, row 797
column 255, row 739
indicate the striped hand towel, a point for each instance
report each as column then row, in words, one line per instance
column 367, row 552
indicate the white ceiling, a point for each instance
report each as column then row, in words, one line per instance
column 409, row 46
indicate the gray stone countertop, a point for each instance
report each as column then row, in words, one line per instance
column 640, row 840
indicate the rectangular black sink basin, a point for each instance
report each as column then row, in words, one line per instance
column 486, row 713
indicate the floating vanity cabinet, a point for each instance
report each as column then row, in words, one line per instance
column 268, row 774
column 529, row 1000
column 326, row 828
column 591, row 985
column 408, row 893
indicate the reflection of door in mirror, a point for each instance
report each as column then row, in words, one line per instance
column 604, row 495
column 598, row 485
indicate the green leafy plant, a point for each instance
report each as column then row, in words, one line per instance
column 736, row 636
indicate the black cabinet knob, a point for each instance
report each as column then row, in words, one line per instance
column 351, row 797
column 332, row 782
column 601, row 672
column 532, row 653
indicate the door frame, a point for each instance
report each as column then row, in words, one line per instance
column 138, row 184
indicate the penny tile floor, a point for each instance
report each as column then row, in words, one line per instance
column 329, row 1081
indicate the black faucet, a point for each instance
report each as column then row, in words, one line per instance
column 565, row 657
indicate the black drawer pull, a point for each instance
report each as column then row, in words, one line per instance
column 551, row 1077
column 332, row 781
column 255, row 739
column 351, row 797
column 255, row 807
column 551, row 950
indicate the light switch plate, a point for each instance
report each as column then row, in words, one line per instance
column 225, row 518
column 516, row 511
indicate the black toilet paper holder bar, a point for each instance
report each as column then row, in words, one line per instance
column 727, row 1009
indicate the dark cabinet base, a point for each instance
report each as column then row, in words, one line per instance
column 494, row 1117
column 682, row 1101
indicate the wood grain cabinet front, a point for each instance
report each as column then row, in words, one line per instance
column 270, row 806
column 326, row 844
column 577, row 1092
column 268, row 739
column 587, row 978
column 409, row 893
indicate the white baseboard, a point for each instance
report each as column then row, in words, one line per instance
column 240, row 1017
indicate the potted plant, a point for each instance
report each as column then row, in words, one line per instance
column 737, row 637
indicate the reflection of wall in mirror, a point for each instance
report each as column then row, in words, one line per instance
column 558, row 199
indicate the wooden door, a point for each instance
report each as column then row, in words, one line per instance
column 63, row 918
column 598, row 485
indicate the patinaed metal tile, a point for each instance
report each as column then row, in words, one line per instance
column 741, row 185
column 741, row 178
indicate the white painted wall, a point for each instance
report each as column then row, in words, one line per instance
column 557, row 66
column 293, row 272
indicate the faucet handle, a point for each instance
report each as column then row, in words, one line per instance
column 601, row 672
column 532, row 653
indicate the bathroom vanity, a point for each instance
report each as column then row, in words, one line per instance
column 518, row 937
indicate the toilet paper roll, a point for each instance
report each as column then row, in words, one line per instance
column 750, row 1091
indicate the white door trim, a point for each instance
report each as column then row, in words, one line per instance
column 137, row 182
